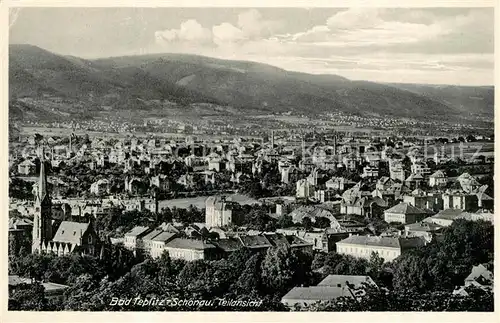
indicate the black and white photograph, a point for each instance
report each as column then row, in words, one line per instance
column 250, row 159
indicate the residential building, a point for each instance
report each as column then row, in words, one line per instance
column 388, row 248
column 304, row 189
column 438, row 179
column 404, row 213
column 218, row 212
column 188, row 249
column 26, row 167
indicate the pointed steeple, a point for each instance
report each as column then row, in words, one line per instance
column 42, row 181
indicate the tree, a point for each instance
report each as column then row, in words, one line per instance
column 322, row 222
column 383, row 300
column 285, row 221
column 442, row 265
column 27, row 297
column 307, row 223
column 283, row 268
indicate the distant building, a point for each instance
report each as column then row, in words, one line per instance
column 133, row 238
column 480, row 277
column 388, row 248
column 26, row 167
column 218, row 212
column 438, row 179
column 339, row 183
column 100, row 187
column 445, row 217
column 304, row 189
column 425, row 230
column 329, row 289
column 189, row 249
column 404, row 213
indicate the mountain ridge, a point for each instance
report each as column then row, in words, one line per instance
column 183, row 79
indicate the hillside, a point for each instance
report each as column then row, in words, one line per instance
column 68, row 85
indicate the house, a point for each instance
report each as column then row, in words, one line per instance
column 313, row 212
column 100, row 187
column 384, row 183
column 422, row 229
column 388, row 248
column 159, row 243
column 468, row 182
column 330, row 288
column 423, row 200
column 26, row 167
column 133, row 238
column 339, row 183
column 480, row 277
column 445, row 217
column 404, row 213
column 396, row 170
column 461, row 200
column 189, row 249
column 438, row 179
column 304, row 189
column 218, row 212
column 420, row 168
column 255, row 242
column 320, row 239
column 303, row 296
column 414, row 180
column 347, row 280
column 370, row 172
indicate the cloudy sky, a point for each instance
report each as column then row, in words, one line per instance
column 411, row 45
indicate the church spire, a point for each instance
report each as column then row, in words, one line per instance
column 42, row 181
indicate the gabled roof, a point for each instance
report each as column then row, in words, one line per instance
column 389, row 242
column 317, row 293
column 70, row 232
column 448, row 214
column 381, row 241
column 164, row 236
column 423, row 227
column 438, row 174
column 480, row 271
column 405, row 208
column 255, row 241
column 152, row 234
column 180, row 243
column 343, row 280
column 229, row 244
column 137, row 231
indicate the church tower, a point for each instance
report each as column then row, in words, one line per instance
column 42, row 220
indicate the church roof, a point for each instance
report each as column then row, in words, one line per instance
column 70, row 232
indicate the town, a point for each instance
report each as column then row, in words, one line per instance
column 311, row 220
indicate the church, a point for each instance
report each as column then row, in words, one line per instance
column 69, row 237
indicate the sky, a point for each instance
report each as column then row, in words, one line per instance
column 405, row 45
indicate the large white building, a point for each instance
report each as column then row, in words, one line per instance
column 304, row 189
column 218, row 212
column 388, row 248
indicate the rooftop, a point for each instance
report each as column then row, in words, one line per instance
column 180, row 243
column 405, row 208
column 316, row 293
